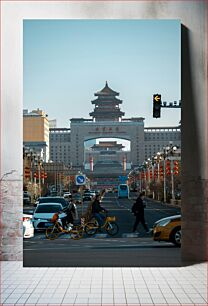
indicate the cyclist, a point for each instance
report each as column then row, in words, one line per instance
column 71, row 214
column 97, row 209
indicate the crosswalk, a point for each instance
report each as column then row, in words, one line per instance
column 41, row 236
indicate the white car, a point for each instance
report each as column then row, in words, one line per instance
column 43, row 214
column 28, row 228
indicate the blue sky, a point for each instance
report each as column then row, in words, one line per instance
column 67, row 61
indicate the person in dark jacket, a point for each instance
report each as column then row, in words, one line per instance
column 138, row 210
column 97, row 209
column 69, row 211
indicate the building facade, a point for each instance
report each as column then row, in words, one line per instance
column 68, row 145
column 60, row 145
column 36, row 132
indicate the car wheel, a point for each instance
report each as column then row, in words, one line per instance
column 175, row 236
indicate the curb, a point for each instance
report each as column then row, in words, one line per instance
column 163, row 203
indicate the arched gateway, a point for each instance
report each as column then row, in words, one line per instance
column 107, row 122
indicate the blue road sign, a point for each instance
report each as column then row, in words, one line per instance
column 80, row 179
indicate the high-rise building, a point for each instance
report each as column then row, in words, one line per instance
column 60, row 145
column 36, row 132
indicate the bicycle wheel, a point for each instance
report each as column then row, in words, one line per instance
column 76, row 232
column 112, row 228
column 52, row 232
column 91, row 228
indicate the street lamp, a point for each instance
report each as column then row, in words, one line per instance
column 39, row 165
column 157, row 160
column 148, row 164
column 169, row 150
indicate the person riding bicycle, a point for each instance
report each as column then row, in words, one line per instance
column 70, row 212
column 97, row 209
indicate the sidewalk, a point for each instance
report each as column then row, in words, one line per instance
column 103, row 286
column 164, row 203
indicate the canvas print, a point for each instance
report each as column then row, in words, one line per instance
column 101, row 143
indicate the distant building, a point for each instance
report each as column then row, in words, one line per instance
column 155, row 138
column 52, row 124
column 106, row 105
column 60, row 145
column 68, row 145
column 107, row 152
column 36, row 132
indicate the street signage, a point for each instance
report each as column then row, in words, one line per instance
column 80, row 179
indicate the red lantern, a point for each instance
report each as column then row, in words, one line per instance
column 176, row 167
column 27, row 172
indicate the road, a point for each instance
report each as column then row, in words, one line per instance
column 124, row 249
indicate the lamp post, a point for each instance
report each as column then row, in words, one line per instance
column 39, row 165
column 157, row 160
column 164, row 174
column 172, row 150
column 167, row 151
column 148, row 164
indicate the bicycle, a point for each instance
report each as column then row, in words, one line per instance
column 56, row 229
column 110, row 226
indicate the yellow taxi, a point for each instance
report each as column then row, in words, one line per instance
column 168, row 229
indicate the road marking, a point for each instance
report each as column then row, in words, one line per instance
column 130, row 235
column 118, row 209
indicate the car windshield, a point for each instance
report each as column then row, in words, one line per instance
column 123, row 187
column 48, row 208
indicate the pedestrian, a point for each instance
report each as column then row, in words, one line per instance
column 97, row 209
column 138, row 211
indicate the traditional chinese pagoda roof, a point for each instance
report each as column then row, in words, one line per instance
column 106, row 105
column 106, row 91
column 111, row 113
column 114, row 101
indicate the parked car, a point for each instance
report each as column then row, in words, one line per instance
column 67, row 195
column 43, row 214
column 87, row 196
column 26, row 198
column 28, row 228
column 60, row 200
column 168, row 229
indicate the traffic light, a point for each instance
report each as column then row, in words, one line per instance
column 156, row 105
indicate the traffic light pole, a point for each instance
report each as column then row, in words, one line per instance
column 164, row 177
column 158, row 104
